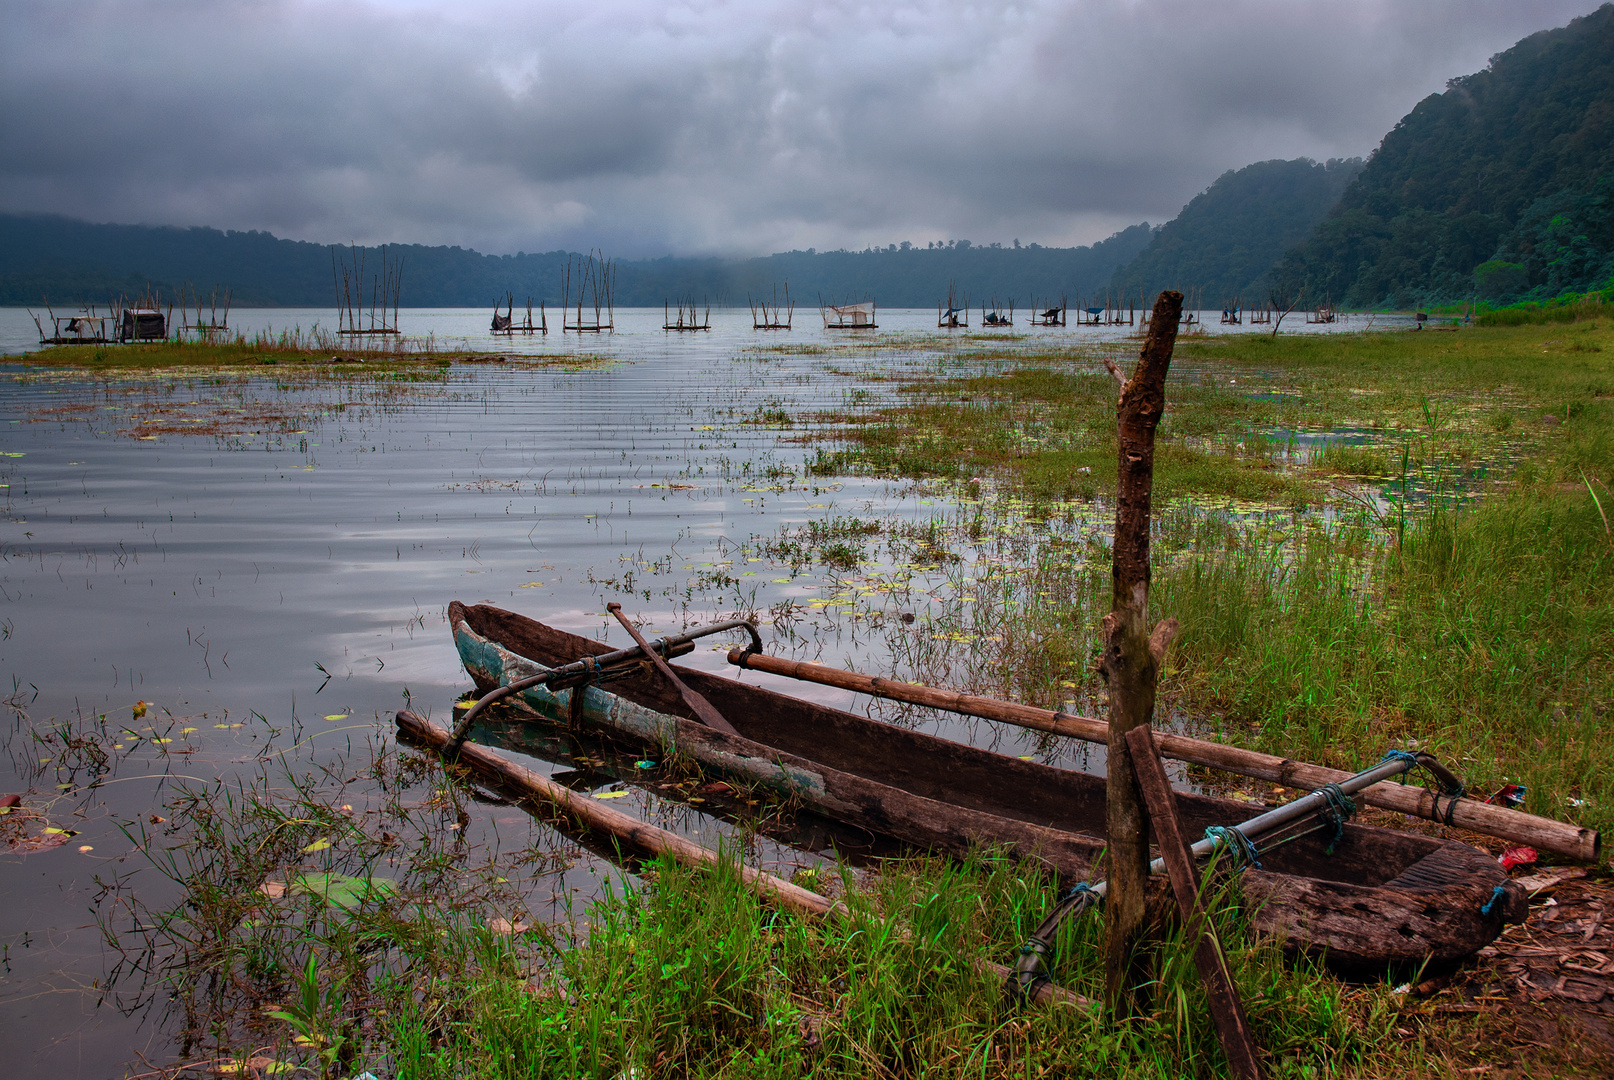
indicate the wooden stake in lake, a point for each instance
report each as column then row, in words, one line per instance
column 1132, row 655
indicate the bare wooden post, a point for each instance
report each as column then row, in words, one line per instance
column 1227, row 1011
column 1129, row 662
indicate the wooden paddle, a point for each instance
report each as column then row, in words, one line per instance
column 698, row 705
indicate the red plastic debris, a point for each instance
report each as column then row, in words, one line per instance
column 1517, row 856
column 1511, row 795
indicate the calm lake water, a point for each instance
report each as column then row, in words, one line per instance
column 268, row 562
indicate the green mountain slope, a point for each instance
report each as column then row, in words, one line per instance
column 1500, row 173
column 1224, row 242
column 72, row 261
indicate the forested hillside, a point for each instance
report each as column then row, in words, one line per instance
column 1222, row 245
column 1495, row 187
column 73, row 261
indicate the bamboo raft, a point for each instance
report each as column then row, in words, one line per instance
column 1383, row 900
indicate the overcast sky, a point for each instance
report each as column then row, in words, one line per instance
column 731, row 128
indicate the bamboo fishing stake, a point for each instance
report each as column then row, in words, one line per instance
column 596, row 815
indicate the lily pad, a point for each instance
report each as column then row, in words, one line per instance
column 341, row 891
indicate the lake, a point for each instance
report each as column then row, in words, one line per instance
column 266, row 560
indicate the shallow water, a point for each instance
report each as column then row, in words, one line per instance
column 287, row 569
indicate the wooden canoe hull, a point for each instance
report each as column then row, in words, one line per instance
column 1384, row 900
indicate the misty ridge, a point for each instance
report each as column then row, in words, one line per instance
column 74, row 262
column 1219, row 248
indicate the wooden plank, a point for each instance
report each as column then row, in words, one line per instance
column 697, row 704
column 1227, row 1011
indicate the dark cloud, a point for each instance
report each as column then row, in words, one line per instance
column 725, row 127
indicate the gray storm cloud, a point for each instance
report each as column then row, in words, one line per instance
column 703, row 127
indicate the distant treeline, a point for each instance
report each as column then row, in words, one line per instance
column 75, row 261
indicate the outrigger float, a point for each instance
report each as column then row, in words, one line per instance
column 1365, row 899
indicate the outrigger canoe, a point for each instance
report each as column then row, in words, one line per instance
column 1382, row 900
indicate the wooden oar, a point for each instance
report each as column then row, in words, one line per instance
column 646, row 837
column 697, row 704
column 1575, row 841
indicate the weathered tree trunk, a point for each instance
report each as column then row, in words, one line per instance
column 1131, row 660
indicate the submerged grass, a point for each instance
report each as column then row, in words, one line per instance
column 313, row 901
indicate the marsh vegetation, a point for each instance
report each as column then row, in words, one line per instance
column 1370, row 540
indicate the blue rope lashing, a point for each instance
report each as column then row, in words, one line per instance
column 1496, row 894
column 1336, row 810
column 1082, row 887
column 1242, row 847
column 1400, row 755
column 1456, row 790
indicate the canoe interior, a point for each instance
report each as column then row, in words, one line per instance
column 597, row 756
column 963, row 775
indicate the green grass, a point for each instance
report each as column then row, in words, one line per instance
column 1052, row 431
column 261, row 350
column 1570, row 307
column 693, row 977
column 1456, row 592
column 1486, row 637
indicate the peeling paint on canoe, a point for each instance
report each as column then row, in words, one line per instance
column 490, row 662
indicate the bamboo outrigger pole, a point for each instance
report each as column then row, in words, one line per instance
column 1574, row 841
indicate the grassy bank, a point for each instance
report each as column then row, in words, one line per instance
column 1570, row 307
column 1368, row 538
column 694, row 978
